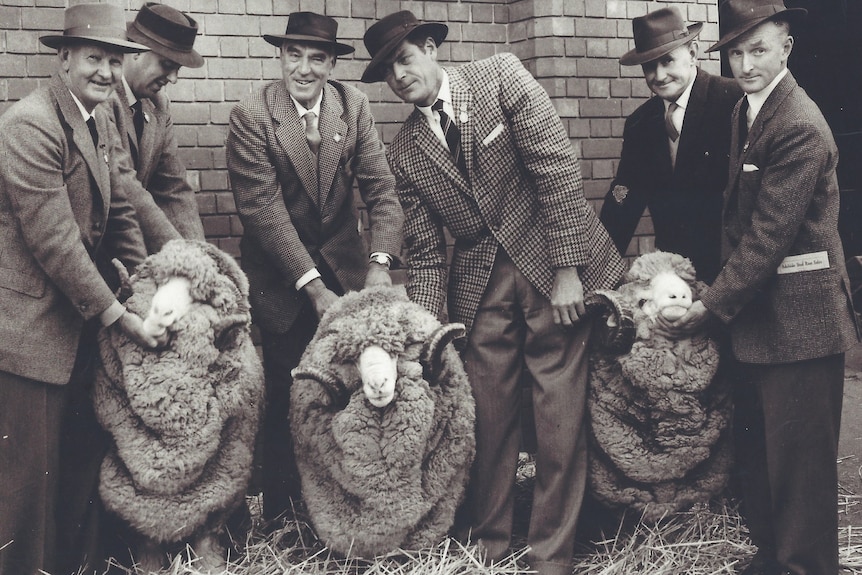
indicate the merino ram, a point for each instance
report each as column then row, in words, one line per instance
column 183, row 418
column 659, row 416
column 383, row 422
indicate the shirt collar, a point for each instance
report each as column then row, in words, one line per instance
column 302, row 110
column 130, row 95
column 84, row 113
column 444, row 94
column 682, row 101
column 757, row 99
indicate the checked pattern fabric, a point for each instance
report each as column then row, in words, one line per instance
column 453, row 135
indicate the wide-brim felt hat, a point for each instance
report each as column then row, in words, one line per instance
column 99, row 23
column 737, row 17
column 167, row 32
column 311, row 28
column 658, row 33
column 384, row 37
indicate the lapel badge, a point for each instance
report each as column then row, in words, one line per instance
column 745, row 147
column 104, row 153
column 336, row 137
column 146, row 118
column 463, row 116
column 620, row 193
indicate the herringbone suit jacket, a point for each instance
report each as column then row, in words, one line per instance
column 291, row 222
column 159, row 168
column 782, row 200
column 684, row 199
column 522, row 192
column 60, row 210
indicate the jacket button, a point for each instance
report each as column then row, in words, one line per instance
column 96, row 226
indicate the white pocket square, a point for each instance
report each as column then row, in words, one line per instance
column 493, row 135
column 750, row 168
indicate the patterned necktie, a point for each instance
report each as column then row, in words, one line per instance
column 91, row 124
column 672, row 132
column 312, row 134
column 452, row 134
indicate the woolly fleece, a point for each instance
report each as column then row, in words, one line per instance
column 659, row 437
column 378, row 479
column 184, row 418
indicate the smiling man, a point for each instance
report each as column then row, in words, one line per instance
column 294, row 149
column 675, row 146
column 141, row 111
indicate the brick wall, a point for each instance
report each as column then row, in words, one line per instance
column 571, row 46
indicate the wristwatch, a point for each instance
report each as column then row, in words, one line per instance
column 381, row 258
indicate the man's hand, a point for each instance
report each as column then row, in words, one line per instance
column 692, row 322
column 378, row 275
column 133, row 326
column 321, row 296
column 567, row 296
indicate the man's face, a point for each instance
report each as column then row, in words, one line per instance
column 148, row 72
column 759, row 55
column 305, row 69
column 668, row 76
column 93, row 70
column 413, row 74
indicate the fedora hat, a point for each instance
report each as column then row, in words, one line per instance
column 657, row 34
column 312, row 28
column 167, row 32
column 99, row 23
column 383, row 37
column 739, row 16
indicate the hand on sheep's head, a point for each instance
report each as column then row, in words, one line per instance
column 378, row 371
column 170, row 302
column 669, row 296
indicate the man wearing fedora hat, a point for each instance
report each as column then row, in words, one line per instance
column 294, row 149
column 485, row 155
column 784, row 294
column 142, row 113
column 675, row 146
column 63, row 214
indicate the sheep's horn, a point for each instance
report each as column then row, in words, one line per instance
column 228, row 329
column 124, row 292
column 432, row 351
column 613, row 323
column 331, row 384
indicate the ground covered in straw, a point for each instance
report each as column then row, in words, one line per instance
column 707, row 540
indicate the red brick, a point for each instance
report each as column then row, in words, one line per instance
column 606, row 108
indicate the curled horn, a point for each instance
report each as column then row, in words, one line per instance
column 228, row 329
column 613, row 323
column 432, row 351
column 331, row 384
column 124, row 291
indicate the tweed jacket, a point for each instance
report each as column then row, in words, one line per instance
column 291, row 222
column 782, row 200
column 684, row 200
column 160, row 169
column 59, row 214
column 523, row 193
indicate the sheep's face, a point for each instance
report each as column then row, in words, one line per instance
column 170, row 302
column 378, row 371
column 669, row 296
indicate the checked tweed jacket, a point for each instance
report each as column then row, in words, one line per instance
column 782, row 200
column 524, row 193
column 160, row 169
column 290, row 226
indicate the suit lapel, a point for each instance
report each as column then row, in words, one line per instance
column 128, row 124
column 694, row 113
column 290, row 133
column 148, row 136
column 332, row 135
column 462, row 103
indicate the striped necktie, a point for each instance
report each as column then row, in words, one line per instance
column 672, row 132
column 452, row 134
column 312, row 134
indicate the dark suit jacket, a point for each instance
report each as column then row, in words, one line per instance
column 59, row 211
column 782, row 200
column 159, row 169
column 524, row 193
column 290, row 226
column 685, row 201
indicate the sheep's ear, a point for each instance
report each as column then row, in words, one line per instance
column 613, row 324
column 229, row 330
column 333, row 386
column 124, row 292
column 432, row 352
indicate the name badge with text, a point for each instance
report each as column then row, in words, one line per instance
column 804, row 263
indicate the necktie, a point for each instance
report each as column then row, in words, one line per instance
column 311, row 132
column 743, row 123
column 452, row 134
column 672, row 132
column 138, row 119
column 91, row 124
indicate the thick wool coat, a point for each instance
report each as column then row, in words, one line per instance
column 379, row 479
column 183, row 419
